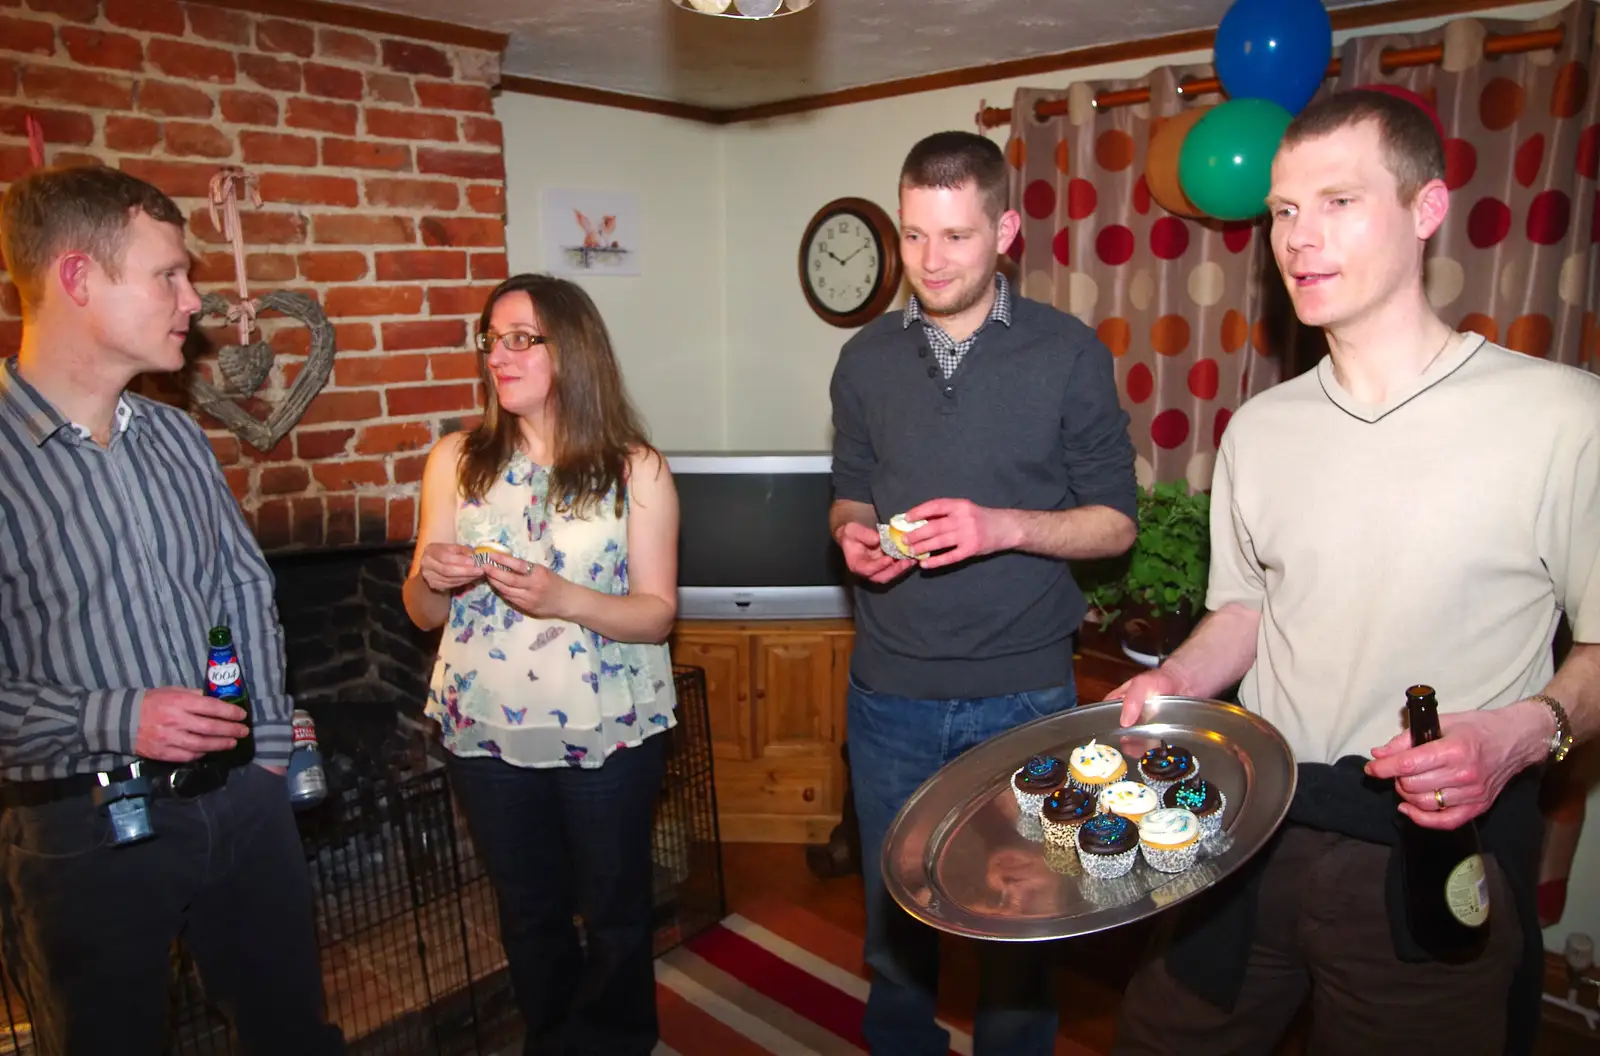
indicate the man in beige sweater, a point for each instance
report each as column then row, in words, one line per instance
column 1421, row 507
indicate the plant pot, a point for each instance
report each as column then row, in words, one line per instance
column 1155, row 636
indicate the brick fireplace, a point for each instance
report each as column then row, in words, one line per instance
column 383, row 186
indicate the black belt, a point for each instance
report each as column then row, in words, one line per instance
column 179, row 780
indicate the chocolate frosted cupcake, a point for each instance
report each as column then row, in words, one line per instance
column 1036, row 779
column 1201, row 797
column 1061, row 814
column 1107, row 846
column 1170, row 839
column 1093, row 766
column 1164, row 766
column 1129, row 799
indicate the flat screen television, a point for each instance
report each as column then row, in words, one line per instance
column 753, row 540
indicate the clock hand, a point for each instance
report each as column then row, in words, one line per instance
column 835, row 256
column 847, row 259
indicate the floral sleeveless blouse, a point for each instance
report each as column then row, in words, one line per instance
column 544, row 692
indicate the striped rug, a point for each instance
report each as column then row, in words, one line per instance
column 775, row 980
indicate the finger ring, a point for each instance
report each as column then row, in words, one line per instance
column 1438, row 797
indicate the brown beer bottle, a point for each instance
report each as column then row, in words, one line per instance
column 1447, row 891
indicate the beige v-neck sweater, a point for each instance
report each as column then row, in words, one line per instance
column 1433, row 539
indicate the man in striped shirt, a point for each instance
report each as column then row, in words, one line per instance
column 120, row 545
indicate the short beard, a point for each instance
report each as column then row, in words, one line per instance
column 970, row 298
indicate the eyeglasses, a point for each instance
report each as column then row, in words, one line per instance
column 514, row 340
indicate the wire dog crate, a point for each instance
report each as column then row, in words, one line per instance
column 407, row 930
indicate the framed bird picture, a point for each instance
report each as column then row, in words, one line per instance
column 589, row 233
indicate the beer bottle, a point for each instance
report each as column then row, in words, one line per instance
column 308, row 783
column 225, row 681
column 1447, row 892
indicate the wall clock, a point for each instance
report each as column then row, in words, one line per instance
column 850, row 262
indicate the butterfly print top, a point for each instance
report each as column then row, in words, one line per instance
column 542, row 692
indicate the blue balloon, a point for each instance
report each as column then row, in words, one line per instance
column 1274, row 49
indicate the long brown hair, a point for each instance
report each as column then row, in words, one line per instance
column 596, row 426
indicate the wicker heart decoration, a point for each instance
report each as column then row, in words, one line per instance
column 246, row 367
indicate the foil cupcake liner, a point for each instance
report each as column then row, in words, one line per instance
column 1108, row 866
column 1062, row 860
column 1211, row 824
column 1030, row 802
column 1170, row 859
column 481, row 558
column 1059, row 834
column 1029, row 828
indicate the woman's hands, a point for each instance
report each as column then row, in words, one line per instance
column 447, row 567
column 535, row 590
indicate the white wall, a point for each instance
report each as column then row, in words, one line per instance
column 666, row 323
column 718, row 344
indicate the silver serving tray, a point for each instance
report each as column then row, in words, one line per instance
column 957, row 859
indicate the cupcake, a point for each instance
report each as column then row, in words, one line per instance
column 1107, row 846
column 1035, row 779
column 490, row 553
column 1061, row 813
column 1170, row 839
column 1164, row 766
column 1199, row 796
column 892, row 537
column 1128, row 799
column 1093, row 766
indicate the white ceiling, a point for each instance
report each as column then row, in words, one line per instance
column 653, row 48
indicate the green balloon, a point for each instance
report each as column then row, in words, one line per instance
column 1225, row 166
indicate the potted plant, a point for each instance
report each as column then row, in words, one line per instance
column 1156, row 592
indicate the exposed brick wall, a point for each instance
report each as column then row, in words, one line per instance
column 383, row 187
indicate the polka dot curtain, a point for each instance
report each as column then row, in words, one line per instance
column 1194, row 310
column 1176, row 300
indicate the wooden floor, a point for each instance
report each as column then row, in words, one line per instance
column 1091, row 989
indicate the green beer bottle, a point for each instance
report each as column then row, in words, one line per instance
column 225, row 681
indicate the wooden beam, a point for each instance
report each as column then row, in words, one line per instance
column 366, row 18
column 578, row 93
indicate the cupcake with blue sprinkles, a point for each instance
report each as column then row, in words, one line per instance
column 1166, row 764
column 1202, row 798
column 1107, row 846
column 1035, row 780
column 1062, row 812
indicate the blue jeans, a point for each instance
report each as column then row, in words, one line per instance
column 558, row 842
column 897, row 743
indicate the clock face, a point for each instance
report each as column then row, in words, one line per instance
column 844, row 263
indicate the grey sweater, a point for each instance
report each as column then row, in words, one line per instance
column 1029, row 420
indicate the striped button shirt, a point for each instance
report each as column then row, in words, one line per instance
column 114, row 563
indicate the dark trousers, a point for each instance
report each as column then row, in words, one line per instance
column 91, row 926
column 1322, row 932
column 564, row 841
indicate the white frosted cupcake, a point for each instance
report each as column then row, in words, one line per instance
column 1093, row 766
column 1170, row 839
column 1128, row 799
column 892, row 537
column 492, row 553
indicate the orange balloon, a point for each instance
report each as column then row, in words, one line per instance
column 1161, row 162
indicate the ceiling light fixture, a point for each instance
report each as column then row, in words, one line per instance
column 744, row 8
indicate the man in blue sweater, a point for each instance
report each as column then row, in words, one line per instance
column 994, row 419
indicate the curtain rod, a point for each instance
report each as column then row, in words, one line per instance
column 1393, row 59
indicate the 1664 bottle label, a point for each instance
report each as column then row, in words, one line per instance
column 223, row 676
column 1466, row 892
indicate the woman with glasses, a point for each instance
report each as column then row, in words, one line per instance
column 547, row 552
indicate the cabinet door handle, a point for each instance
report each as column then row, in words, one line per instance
column 809, row 795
